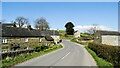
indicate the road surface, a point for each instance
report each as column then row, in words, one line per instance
column 72, row 54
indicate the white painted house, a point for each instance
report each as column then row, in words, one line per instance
column 107, row 37
column 77, row 34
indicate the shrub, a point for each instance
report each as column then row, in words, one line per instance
column 107, row 52
column 9, row 58
column 40, row 47
column 10, row 61
column 100, row 62
column 15, row 53
column 14, row 46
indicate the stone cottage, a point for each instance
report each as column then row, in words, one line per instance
column 24, row 35
column 107, row 37
column 54, row 34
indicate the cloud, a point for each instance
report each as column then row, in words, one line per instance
column 87, row 27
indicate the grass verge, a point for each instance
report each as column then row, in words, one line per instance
column 67, row 37
column 79, row 42
column 24, row 57
column 100, row 62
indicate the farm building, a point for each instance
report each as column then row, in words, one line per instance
column 107, row 37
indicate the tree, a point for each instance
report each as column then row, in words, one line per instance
column 93, row 29
column 14, row 24
column 21, row 21
column 69, row 28
column 42, row 24
column 29, row 27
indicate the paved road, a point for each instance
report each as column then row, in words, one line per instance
column 71, row 55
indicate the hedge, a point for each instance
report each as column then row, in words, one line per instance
column 11, row 61
column 107, row 52
column 15, row 53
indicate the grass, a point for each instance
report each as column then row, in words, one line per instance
column 24, row 57
column 62, row 31
column 79, row 42
column 100, row 62
column 68, row 37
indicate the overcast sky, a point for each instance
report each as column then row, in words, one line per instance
column 58, row 14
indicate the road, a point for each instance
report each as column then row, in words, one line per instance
column 72, row 54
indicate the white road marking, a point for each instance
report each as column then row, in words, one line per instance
column 66, row 55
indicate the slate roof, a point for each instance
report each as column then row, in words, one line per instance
column 109, row 32
column 23, row 32
column 19, row 32
column 8, row 24
column 44, row 33
column 48, row 38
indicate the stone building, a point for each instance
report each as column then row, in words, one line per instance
column 26, row 36
column 54, row 34
column 107, row 37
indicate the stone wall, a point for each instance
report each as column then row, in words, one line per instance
column 110, row 40
column 21, row 41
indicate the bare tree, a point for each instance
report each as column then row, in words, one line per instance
column 93, row 29
column 46, row 26
column 42, row 24
column 21, row 21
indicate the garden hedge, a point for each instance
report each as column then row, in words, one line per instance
column 15, row 53
column 107, row 52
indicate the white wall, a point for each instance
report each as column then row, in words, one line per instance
column 56, row 38
column 4, row 40
column 110, row 40
column 77, row 34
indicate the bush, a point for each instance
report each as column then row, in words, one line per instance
column 10, row 60
column 15, row 53
column 14, row 46
column 107, row 52
column 40, row 47
column 100, row 62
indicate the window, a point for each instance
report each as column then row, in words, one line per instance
column 40, row 39
column 26, row 39
column 4, row 40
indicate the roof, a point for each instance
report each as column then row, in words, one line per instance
column 48, row 38
column 19, row 32
column 108, row 32
column 44, row 33
column 8, row 24
column 23, row 32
